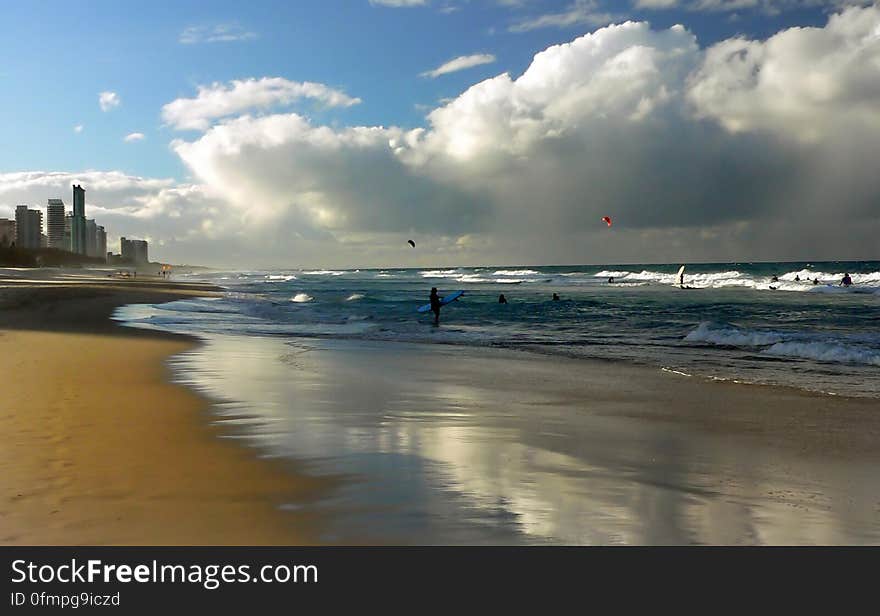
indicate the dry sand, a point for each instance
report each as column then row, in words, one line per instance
column 98, row 447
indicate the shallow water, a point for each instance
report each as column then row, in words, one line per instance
column 439, row 445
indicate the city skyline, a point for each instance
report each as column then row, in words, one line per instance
column 486, row 131
column 70, row 231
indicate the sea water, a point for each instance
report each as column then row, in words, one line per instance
column 438, row 442
column 735, row 324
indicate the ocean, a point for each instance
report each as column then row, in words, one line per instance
column 468, row 433
column 732, row 326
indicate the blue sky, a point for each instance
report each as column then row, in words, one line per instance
column 688, row 133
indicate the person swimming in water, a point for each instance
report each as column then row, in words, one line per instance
column 555, row 297
column 435, row 305
column 775, row 278
column 611, row 280
column 847, row 281
column 797, row 278
column 502, row 299
column 816, row 280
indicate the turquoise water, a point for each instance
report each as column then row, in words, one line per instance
column 731, row 326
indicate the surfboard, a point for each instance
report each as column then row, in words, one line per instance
column 679, row 277
column 443, row 300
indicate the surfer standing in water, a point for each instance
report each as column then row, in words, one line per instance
column 435, row 305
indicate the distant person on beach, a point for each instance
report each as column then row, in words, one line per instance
column 555, row 297
column 502, row 299
column 435, row 305
column 847, row 281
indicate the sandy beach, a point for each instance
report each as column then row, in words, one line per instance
column 98, row 448
column 339, row 441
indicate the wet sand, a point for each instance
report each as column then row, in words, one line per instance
column 99, row 448
column 458, row 445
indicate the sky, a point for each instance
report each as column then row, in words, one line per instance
column 328, row 133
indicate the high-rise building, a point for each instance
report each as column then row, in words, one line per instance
column 91, row 238
column 78, row 223
column 55, row 224
column 7, row 232
column 134, row 251
column 68, row 223
column 101, row 248
column 79, row 201
column 28, row 227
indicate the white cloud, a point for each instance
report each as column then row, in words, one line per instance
column 655, row 4
column 221, row 100
column 459, row 64
column 623, row 71
column 804, row 83
column 578, row 13
column 282, row 168
column 220, row 33
column 131, row 137
column 108, row 100
column 78, row 128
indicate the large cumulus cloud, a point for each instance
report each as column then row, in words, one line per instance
column 699, row 154
column 746, row 150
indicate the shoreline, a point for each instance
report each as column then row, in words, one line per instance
column 124, row 449
column 102, row 448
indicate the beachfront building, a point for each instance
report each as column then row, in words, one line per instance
column 91, row 238
column 55, row 224
column 28, row 227
column 78, row 222
column 134, row 251
column 101, row 243
column 68, row 222
column 7, row 232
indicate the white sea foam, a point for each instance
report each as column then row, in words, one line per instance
column 323, row 273
column 301, row 298
column 862, row 283
column 525, row 272
column 825, row 352
column 710, row 280
column 284, row 277
column 354, row 297
column 439, row 273
column 730, row 336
